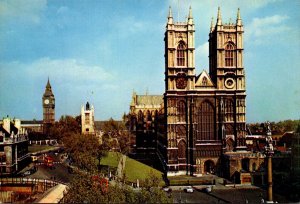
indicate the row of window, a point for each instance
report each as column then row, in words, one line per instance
column 229, row 54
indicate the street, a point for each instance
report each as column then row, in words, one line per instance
column 219, row 193
column 59, row 172
column 229, row 195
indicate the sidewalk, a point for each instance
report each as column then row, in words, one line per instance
column 219, row 185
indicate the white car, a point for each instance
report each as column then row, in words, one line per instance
column 167, row 189
column 26, row 173
column 208, row 189
column 189, row 189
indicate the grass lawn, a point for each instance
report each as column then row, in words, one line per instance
column 133, row 169
column 112, row 159
column 136, row 170
column 38, row 148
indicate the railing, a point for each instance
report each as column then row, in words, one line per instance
column 23, row 157
column 46, row 183
column 229, row 26
column 18, row 138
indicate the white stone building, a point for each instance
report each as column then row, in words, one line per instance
column 13, row 146
column 87, row 119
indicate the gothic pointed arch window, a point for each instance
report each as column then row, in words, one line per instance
column 149, row 116
column 229, row 110
column 182, row 149
column 181, row 111
column 229, row 145
column 206, row 129
column 181, row 53
column 229, row 55
column 140, row 117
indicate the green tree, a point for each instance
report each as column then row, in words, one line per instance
column 84, row 150
column 116, row 131
column 298, row 128
column 151, row 191
column 84, row 189
column 66, row 126
column 112, row 127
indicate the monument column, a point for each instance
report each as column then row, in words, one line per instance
column 269, row 150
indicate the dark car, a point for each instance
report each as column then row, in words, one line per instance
column 30, row 171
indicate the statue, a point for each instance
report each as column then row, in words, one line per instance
column 269, row 139
column 269, row 132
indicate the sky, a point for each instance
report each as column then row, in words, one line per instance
column 101, row 50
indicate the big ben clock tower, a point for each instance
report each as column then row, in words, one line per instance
column 48, row 108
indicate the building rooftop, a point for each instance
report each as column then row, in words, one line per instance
column 149, row 100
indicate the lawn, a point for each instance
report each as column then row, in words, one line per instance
column 136, row 170
column 38, row 148
column 133, row 169
column 111, row 159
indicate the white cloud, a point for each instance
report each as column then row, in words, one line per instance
column 65, row 71
column 26, row 11
column 204, row 10
column 262, row 29
column 62, row 10
column 126, row 26
column 69, row 69
column 73, row 81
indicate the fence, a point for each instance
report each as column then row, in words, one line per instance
column 43, row 142
column 40, row 185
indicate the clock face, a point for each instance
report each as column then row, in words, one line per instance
column 46, row 101
column 229, row 83
column 181, row 81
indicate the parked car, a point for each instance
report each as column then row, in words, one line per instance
column 208, row 189
column 26, row 173
column 167, row 189
column 188, row 189
column 30, row 171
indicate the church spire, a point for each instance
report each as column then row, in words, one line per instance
column 48, row 89
column 190, row 17
column 170, row 16
column 219, row 18
column 48, row 86
column 238, row 18
column 190, row 13
column 212, row 24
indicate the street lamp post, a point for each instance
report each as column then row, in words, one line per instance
column 269, row 150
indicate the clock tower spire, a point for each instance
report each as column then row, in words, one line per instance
column 48, row 101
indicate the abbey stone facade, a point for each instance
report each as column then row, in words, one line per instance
column 204, row 114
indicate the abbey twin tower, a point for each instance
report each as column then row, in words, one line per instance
column 204, row 115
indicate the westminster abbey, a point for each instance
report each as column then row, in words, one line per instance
column 200, row 126
column 204, row 114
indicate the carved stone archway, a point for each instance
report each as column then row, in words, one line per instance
column 209, row 167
